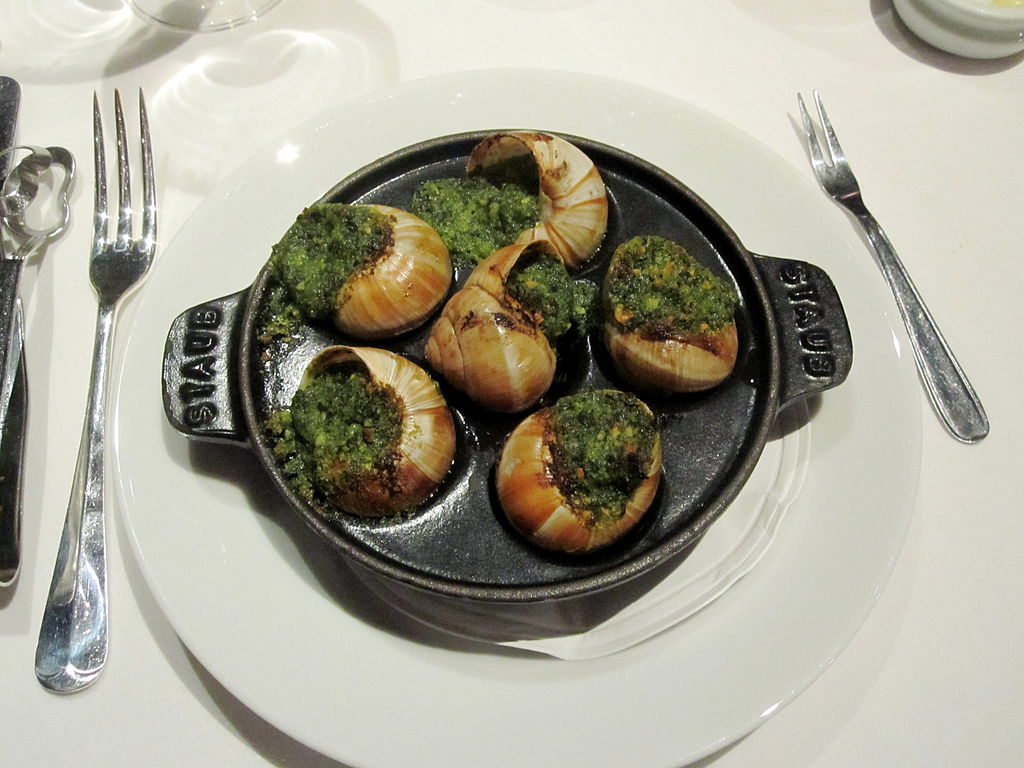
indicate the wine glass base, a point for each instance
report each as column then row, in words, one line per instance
column 200, row 15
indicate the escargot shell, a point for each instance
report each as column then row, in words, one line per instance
column 689, row 363
column 536, row 506
column 403, row 288
column 487, row 345
column 573, row 200
column 426, row 448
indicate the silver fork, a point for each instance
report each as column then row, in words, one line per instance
column 72, row 647
column 947, row 386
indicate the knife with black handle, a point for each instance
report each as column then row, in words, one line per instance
column 14, row 395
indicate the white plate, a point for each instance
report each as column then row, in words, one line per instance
column 296, row 638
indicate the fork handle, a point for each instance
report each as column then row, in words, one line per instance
column 72, row 648
column 952, row 395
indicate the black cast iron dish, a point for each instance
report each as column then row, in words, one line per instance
column 455, row 562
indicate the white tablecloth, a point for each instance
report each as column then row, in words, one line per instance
column 934, row 676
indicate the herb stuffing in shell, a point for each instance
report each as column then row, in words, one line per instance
column 367, row 431
column 371, row 270
column 474, row 216
column 577, row 476
column 668, row 320
column 542, row 285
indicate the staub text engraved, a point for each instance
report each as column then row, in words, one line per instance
column 199, row 366
column 810, row 318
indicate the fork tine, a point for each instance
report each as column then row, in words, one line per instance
column 830, row 135
column 813, row 145
column 124, row 200
column 148, row 184
column 100, row 212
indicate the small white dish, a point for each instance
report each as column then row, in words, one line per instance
column 978, row 29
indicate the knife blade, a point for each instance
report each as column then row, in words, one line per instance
column 14, row 396
column 10, row 99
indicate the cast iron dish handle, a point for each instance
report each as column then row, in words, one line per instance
column 815, row 347
column 200, row 376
